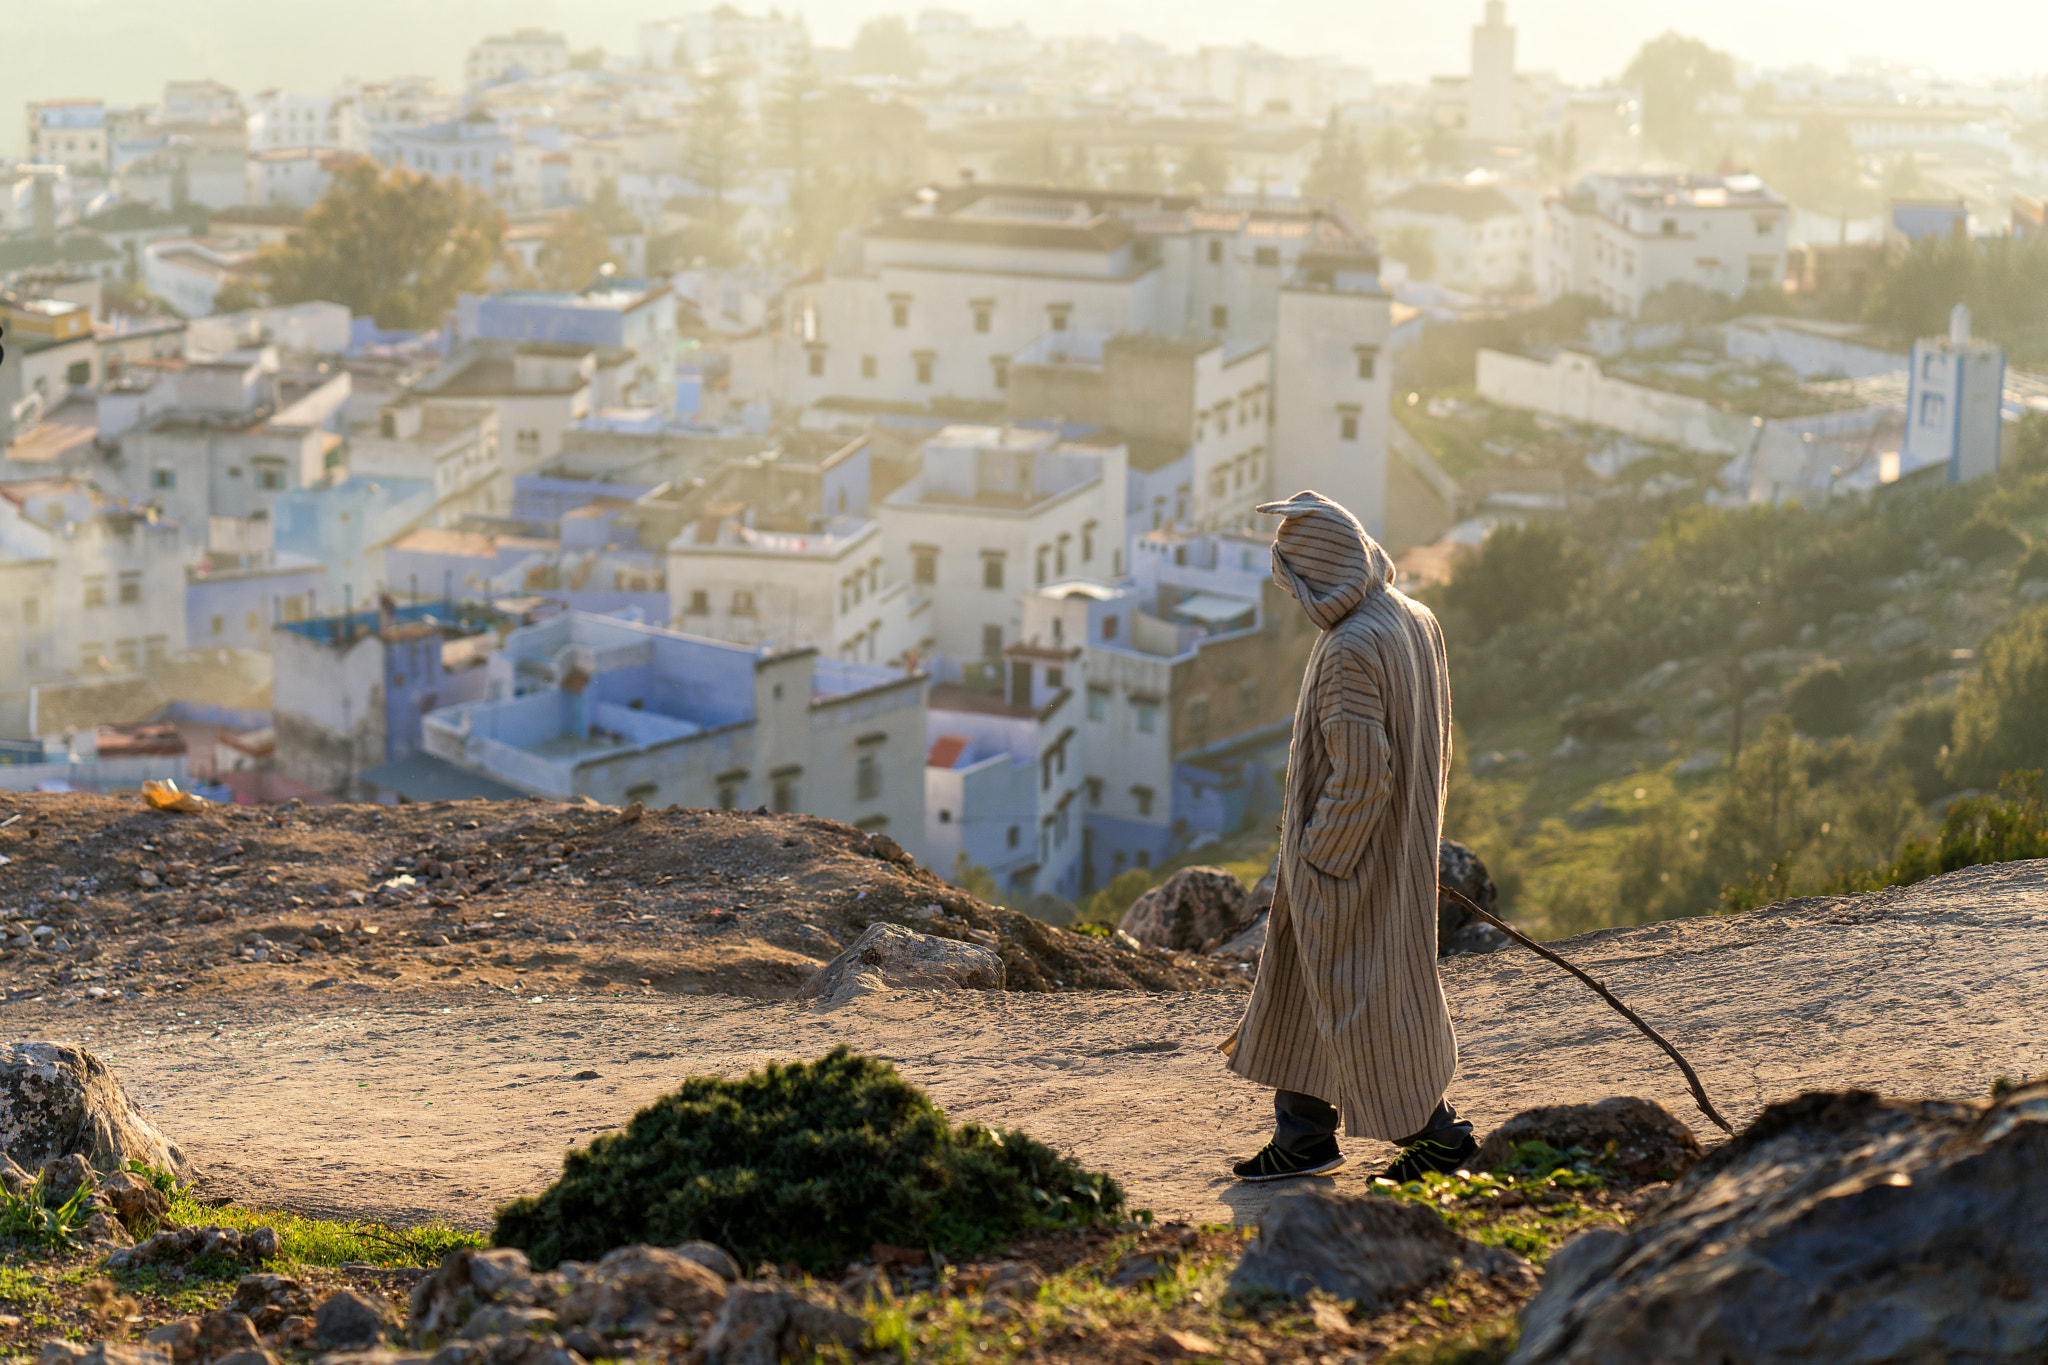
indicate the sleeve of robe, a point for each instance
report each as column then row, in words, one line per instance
column 1351, row 717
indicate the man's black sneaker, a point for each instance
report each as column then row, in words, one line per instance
column 1428, row 1155
column 1274, row 1164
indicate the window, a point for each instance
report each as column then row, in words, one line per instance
column 1222, row 418
column 1015, row 834
column 1143, row 796
column 269, row 480
column 1088, row 542
column 96, row 590
column 1109, row 627
column 1148, row 717
column 1764, row 226
column 220, row 625
column 1247, row 695
column 1266, row 255
column 982, row 315
column 1094, row 789
column 1001, row 365
column 1929, row 363
column 899, row 312
column 1368, row 361
column 867, row 778
column 1043, row 550
column 924, row 563
column 1933, row 407
column 79, row 372
column 923, row 361
column 31, row 610
column 131, row 589
column 1761, row 271
column 234, row 471
column 742, row 602
column 1058, row 313
column 526, row 442
column 1215, row 251
column 991, row 570
column 643, row 792
column 1670, row 227
column 252, row 621
column 945, row 816
column 729, row 784
column 1055, row 678
column 1347, row 427
column 1143, row 857
column 867, row 367
column 816, row 362
column 784, row 799
column 991, row 642
column 1098, row 703
column 1219, row 317
column 1198, row 712
column 700, row 602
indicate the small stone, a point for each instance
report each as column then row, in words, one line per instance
column 889, row 957
column 134, row 1200
column 1369, row 1249
column 178, row 1340
column 712, row 1257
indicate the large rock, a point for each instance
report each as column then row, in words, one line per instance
column 350, row 1321
column 639, row 1290
column 466, row 1280
column 1369, row 1248
column 57, row 1100
column 1196, row 907
column 1648, row 1140
column 1840, row 1228
column 1457, row 929
column 764, row 1323
column 890, row 957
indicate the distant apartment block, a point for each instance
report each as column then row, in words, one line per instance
column 586, row 705
column 524, row 54
column 1484, row 241
column 1621, row 238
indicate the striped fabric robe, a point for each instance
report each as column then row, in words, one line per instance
column 1348, row 1006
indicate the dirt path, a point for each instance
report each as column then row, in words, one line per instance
column 444, row 1107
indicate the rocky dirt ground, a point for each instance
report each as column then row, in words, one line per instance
column 102, row 898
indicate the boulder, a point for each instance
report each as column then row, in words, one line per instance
column 1649, row 1141
column 1249, row 942
column 466, row 1280
column 890, row 957
column 57, row 1100
column 1371, row 1249
column 349, row 1321
column 641, row 1290
column 224, row 1333
column 1839, row 1227
column 712, row 1257
column 134, row 1200
column 178, row 1245
column 1457, row 929
column 1196, row 906
column 765, row 1323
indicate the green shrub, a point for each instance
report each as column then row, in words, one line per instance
column 1821, row 700
column 1519, row 574
column 2005, row 828
column 2002, row 713
column 805, row 1162
column 1107, row 906
column 1985, row 535
column 28, row 1216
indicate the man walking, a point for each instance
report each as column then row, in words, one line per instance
column 1348, row 1021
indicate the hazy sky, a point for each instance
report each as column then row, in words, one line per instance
column 125, row 49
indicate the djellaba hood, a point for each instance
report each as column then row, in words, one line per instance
column 1325, row 557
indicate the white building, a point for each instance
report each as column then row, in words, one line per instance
column 71, row 133
column 189, row 272
column 522, row 55
column 723, row 35
column 286, row 120
column 1621, row 238
column 594, row 706
column 452, row 443
column 992, row 513
column 1954, row 402
column 1491, row 115
column 1330, row 365
column 1483, row 240
column 473, row 149
column 112, row 594
column 295, row 178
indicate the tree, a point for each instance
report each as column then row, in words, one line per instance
column 1520, row 572
column 576, row 246
column 2004, row 282
column 791, row 123
column 1141, row 169
column 239, row 294
column 716, row 149
column 1676, row 75
column 1393, row 152
column 2002, row 714
column 1815, row 168
column 884, row 47
column 1442, row 147
column 396, row 247
column 1339, row 170
column 1205, row 170
column 1413, row 246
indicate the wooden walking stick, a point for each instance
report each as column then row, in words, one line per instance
column 1692, row 1078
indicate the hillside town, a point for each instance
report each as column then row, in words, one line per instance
column 874, row 432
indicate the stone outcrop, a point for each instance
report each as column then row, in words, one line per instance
column 889, row 957
column 176, row 1246
column 1370, row 1249
column 1457, row 929
column 1195, row 909
column 767, row 1323
column 57, row 1100
column 1839, row 1227
column 1648, row 1142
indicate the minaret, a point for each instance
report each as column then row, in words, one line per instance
column 1491, row 116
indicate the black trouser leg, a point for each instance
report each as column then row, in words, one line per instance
column 1301, row 1122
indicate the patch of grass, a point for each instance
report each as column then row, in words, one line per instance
column 1531, row 1213
column 328, row 1241
column 805, row 1162
column 27, row 1217
column 1487, row 1343
column 24, row 1287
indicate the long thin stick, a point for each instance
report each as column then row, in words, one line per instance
column 1692, row 1078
